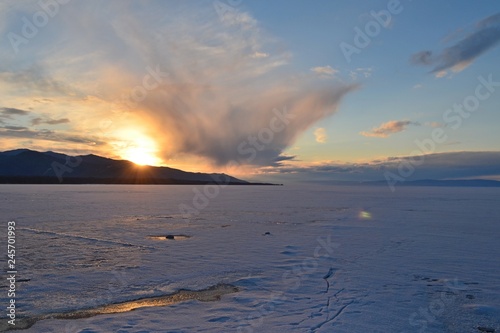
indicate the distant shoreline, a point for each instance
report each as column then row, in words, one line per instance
column 419, row 183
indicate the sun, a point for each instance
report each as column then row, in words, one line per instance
column 142, row 151
column 141, row 156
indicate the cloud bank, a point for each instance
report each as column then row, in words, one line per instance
column 453, row 165
column 484, row 37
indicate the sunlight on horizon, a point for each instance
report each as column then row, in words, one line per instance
column 142, row 150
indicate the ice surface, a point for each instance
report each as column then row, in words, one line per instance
column 306, row 259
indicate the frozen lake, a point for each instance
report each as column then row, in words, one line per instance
column 285, row 258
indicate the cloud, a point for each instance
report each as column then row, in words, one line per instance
column 10, row 114
column 325, row 71
column 37, row 80
column 231, row 131
column 23, row 132
column 452, row 165
column 12, row 111
column 484, row 37
column 441, row 74
column 15, row 128
column 388, row 128
column 422, row 58
column 38, row 121
column 260, row 55
column 200, row 85
column 320, row 135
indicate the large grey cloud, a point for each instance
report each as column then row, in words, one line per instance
column 484, row 37
column 217, row 78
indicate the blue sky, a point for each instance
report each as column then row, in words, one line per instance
column 395, row 89
column 193, row 84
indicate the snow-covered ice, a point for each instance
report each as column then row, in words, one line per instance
column 304, row 258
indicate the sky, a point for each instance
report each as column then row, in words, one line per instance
column 267, row 90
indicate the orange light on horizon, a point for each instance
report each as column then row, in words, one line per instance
column 141, row 150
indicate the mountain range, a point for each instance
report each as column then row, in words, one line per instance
column 24, row 166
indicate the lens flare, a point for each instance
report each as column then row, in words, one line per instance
column 364, row 215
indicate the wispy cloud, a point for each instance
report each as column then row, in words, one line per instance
column 320, row 135
column 8, row 115
column 485, row 36
column 38, row 121
column 389, row 128
column 36, row 79
column 23, row 132
column 14, row 128
column 325, row 71
column 260, row 55
column 13, row 111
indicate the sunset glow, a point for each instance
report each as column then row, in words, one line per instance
column 233, row 86
column 141, row 150
column 242, row 165
column 140, row 156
